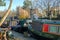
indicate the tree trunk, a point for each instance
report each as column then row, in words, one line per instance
column 6, row 14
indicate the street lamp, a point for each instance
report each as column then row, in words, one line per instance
column 55, row 9
column 50, row 14
column 31, row 15
column 55, row 12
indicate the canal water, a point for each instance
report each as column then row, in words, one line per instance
column 20, row 36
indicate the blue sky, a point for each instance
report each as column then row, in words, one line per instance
column 15, row 4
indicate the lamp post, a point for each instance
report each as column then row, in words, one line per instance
column 50, row 14
column 31, row 15
column 31, row 9
column 55, row 12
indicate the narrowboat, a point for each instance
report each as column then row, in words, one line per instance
column 49, row 29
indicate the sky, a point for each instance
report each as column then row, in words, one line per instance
column 15, row 4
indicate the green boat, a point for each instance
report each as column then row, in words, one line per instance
column 49, row 29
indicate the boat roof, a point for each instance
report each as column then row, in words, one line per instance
column 45, row 21
column 51, row 22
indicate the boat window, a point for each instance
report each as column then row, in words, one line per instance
column 53, row 29
column 59, row 29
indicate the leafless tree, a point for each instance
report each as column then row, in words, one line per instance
column 46, row 4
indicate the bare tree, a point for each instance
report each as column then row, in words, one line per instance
column 46, row 4
column 42, row 4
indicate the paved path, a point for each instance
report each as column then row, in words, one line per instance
column 20, row 36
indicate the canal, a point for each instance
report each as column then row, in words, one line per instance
column 20, row 36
